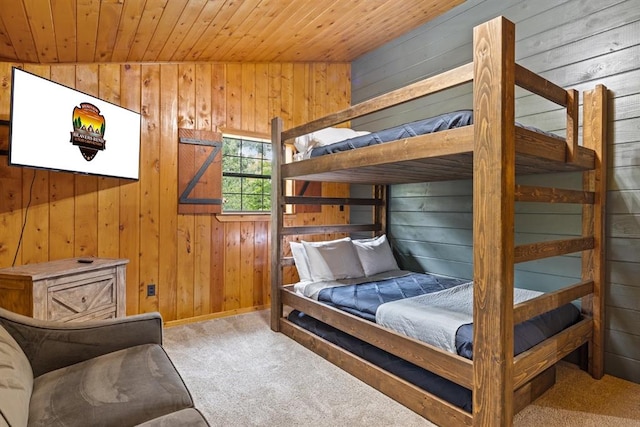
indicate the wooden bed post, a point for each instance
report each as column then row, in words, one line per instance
column 381, row 192
column 277, row 214
column 493, row 221
column 593, row 218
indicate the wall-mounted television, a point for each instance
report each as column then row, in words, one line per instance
column 56, row 127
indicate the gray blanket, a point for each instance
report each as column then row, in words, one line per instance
column 434, row 318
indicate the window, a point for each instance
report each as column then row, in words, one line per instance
column 246, row 174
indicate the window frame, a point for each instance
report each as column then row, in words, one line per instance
column 243, row 136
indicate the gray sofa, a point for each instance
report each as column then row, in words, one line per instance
column 102, row 373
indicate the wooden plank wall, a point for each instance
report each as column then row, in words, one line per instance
column 576, row 44
column 203, row 265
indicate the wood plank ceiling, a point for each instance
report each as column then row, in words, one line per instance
column 72, row 31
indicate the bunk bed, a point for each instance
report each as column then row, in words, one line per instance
column 490, row 151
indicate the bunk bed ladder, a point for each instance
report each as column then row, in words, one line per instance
column 591, row 244
column 279, row 199
column 496, row 372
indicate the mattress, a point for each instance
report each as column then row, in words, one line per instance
column 439, row 123
column 426, row 380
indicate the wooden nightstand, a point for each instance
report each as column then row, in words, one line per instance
column 66, row 290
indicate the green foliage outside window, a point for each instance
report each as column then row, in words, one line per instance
column 246, row 175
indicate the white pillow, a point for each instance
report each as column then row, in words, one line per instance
column 333, row 260
column 375, row 255
column 301, row 260
column 305, row 143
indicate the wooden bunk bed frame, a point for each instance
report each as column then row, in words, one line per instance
column 491, row 152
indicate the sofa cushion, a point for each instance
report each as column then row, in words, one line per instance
column 190, row 417
column 126, row 387
column 16, row 382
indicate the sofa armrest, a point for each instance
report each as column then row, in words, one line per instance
column 53, row 345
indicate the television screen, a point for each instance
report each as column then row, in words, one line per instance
column 56, row 127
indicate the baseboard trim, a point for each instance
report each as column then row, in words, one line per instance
column 211, row 316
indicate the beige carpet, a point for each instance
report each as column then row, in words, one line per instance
column 242, row 374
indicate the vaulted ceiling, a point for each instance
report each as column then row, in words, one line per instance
column 71, row 31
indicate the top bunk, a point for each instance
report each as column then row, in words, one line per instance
column 448, row 154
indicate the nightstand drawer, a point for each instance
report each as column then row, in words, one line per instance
column 71, row 301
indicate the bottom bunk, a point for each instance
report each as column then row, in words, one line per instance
column 404, row 300
column 413, row 330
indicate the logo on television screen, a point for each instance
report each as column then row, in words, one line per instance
column 88, row 130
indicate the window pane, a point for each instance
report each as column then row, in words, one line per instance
column 231, row 164
column 252, row 202
column 252, row 149
column 231, row 147
column 232, row 202
column 266, row 167
column 266, row 188
column 252, row 185
column 252, row 166
column 231, row 185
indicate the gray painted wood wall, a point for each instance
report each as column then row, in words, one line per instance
column 576, row 44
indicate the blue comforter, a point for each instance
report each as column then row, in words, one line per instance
column 364, row 299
